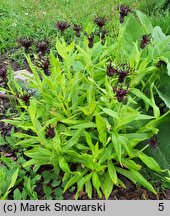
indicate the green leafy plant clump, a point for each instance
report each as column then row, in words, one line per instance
column 89, row 110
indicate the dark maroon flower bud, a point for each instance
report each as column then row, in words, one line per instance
column 100, row 21
column 160, row 63
column 110, row 70
column 145, row 41
column 3, row 74
column 26, row 98
column 153, row 141
column 123, row 71
column 26, row 43
column 45, row 65
column 50, row 133
column 90, row 39
column 77, row 29
column 42, row 47
column 123, row 10
column 62, row 26
column 121, row 93
column 122, row 75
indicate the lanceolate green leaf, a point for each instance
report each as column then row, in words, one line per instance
column 164, row 89
column 14, row 178
column 61, row 49
column 146, row 23
column 40, row 155
column 87, row 161
column 143, row 117
column 73, row 140
column 142, row 180
column 117, row 145
column 96, row 183
column 36, row 81
column 141, row 95
column 126, row 116
column 110, row 112
column 127, row 174
column 23, row 135
column 82, row 181
column 126, row 144
column 164, row 97
column 74, row 179
column 28, row 142
column 88, row 188
column 112, row 171
column 130, row 164
column 12, row 183
column 33, row 162
column 149, row 161
column 84, row 125
column 107, row 185
column 32, row 110
column 101, row 128
column 89, row 141
column 156, row 110
column 57, row 142
column 63, row 164
column 128, row 35
column 106, row 153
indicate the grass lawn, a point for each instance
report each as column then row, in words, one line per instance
column 37, row 18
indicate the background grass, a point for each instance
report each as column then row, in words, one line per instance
column 37, row 18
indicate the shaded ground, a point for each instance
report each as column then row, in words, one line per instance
column 5, row 60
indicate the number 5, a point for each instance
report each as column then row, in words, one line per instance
column 161, row 207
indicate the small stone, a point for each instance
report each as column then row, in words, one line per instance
column 23, row 75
